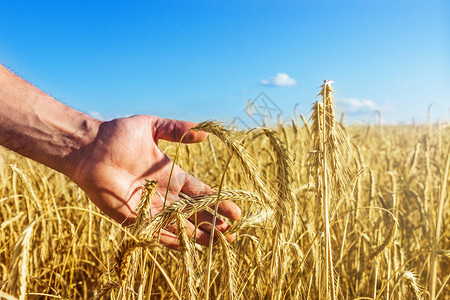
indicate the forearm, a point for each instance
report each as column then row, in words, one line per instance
column 37, row 126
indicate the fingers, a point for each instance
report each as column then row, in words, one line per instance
column 173, row 130
column 202, row 237
column 169, row 239
column 204, row 220
column 198, row 229
column 194, row 233
column 194, row 187
column 230, row 210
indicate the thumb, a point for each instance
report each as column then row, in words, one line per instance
column 173, row 130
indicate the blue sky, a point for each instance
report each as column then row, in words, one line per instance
column 199, row 60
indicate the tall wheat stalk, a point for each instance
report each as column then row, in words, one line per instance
column 437, row 236
column 330, row 175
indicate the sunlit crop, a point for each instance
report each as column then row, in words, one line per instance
column 329, row 212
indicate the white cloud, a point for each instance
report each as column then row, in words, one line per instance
column 97, row 115
column 282, row 79
column 356, row 106
column 107, row 117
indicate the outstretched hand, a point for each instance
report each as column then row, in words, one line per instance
column 113, row 168
column 110, row 161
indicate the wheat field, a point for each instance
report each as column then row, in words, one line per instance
column 328, row 212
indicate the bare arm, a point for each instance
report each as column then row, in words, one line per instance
column 37, row 126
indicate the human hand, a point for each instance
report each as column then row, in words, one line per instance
column 113, row 168
column 110, row 161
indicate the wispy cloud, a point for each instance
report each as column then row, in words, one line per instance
column 106, row 117
column 97, row 115
column 282, row 79
column 356, row 106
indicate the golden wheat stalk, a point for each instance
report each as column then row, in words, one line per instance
column 20, row 263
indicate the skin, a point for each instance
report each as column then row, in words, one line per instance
column 108, row 160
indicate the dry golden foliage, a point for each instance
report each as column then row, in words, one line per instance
column 328, row 212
